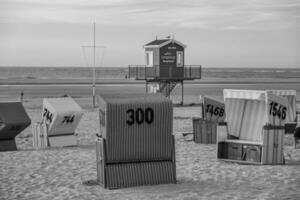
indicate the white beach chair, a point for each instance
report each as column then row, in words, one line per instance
column 255, row 127
column 60, row 118
column 205, row 128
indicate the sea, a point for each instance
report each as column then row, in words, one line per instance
column 33, row 73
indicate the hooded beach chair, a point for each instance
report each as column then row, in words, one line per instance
column 13, row 120
column 135, row 145
column 205, row 128
column 60, row 118
column 254, row 127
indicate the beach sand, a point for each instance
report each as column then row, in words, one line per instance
column 61, row 173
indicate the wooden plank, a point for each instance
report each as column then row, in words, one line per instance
column 174, row 161
column 241, row 161
column 264, row 147
column 244, row 141
column 270, row 147
column 120, row 175
column 214, row 133
column 203, row 132
column 136, row 174
column 280, row 147
column 222, row 132
column 275, row 146
column 101, row 161
column 98, row 160
column 196, row 131
column 208, row 132
column 39, row 135
column 62, row 141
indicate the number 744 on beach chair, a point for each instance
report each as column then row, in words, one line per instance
column 254, row 128
column 60, row 118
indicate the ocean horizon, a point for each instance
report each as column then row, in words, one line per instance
column 27, row 72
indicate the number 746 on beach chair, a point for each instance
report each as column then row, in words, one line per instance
column 254, row 128
column 60, row 118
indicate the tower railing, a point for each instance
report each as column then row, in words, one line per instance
column 187, row 72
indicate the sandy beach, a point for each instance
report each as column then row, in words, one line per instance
column 62, row 173
column 183, row 49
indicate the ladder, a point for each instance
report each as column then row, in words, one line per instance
column 166, row 87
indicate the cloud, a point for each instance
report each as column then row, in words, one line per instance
column 203, row 14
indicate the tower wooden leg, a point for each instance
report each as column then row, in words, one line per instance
column 182, row 93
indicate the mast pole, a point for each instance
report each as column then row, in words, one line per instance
column 94, row 65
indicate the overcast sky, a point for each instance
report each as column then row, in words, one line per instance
column 218, row 33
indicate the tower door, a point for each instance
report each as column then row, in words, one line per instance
column 179, row 58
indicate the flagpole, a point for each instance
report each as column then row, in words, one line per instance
column 94, row 65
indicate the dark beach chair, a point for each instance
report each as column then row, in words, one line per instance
column 13, row 120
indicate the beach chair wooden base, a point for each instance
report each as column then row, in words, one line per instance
column 41, row 140
column 267, row 151
column 62, row 140
column 39, row 135
column 204, row 131
column 8, row 145
column 130, row 174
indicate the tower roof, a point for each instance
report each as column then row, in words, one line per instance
column 162, row 42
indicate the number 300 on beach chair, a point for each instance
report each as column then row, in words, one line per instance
column 135, row 144
column 254, row 128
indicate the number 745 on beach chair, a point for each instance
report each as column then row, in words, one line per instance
column 254, row 128
column 60, row 118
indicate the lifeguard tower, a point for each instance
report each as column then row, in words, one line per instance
column 164, row 67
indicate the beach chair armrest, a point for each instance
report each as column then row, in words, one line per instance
column 222, row 131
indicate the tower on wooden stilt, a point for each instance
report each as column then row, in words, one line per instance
column 165, row 67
